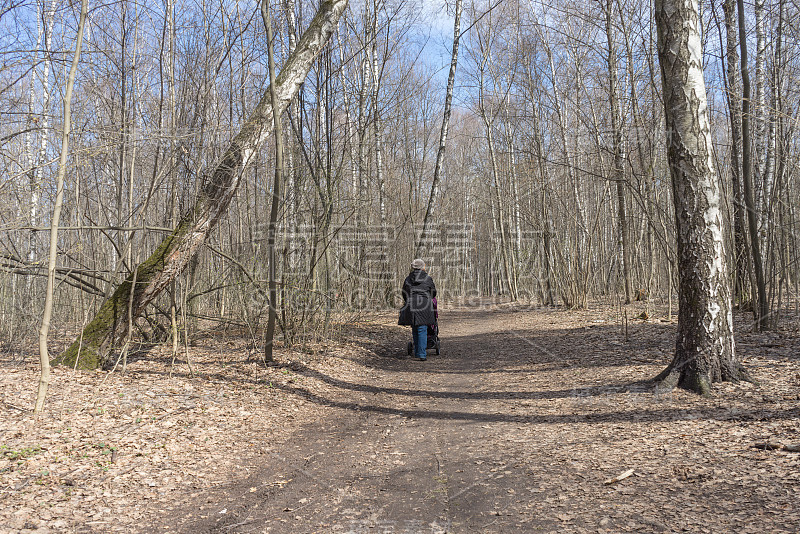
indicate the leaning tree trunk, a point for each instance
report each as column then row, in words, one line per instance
column 92, row 348
column 704, row 350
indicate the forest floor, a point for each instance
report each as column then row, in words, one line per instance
column 522, row 424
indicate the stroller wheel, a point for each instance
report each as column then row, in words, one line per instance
column 410, row 348
column 437, row 347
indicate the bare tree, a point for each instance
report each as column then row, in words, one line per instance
column 448, row 101
column 44, row 353
column 761, row 309
column 92, row 348
column 704, row 350
column 733, row 96
column 618, row 174
column 532, row 201
column 276, row 192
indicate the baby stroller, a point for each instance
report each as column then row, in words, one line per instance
column 433, row 332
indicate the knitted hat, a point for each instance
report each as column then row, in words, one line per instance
column 418, row 264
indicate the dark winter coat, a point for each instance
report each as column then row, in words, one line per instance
column 418, row 292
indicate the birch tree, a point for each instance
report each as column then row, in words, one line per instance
column 110, row 324
column 704, row 351
column 448, row 100
column 618, row 174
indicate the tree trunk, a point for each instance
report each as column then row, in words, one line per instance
column 45, row 23
column 507, row 276
column 448, row 99
column 618, row 174
column 759, row 129
column 93, row 346
column 385, row 273
column 762, row 308
column 44, row 355
column 704, row 350
column 733, row 95
column 276, row 192
column 547, row 223
column 646, row 160
column 582, row 250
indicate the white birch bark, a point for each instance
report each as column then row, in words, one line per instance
column 176, row 250
column 292, row 196
column 49, row 17
column 45, row 21
column 379, row 167
column 363, row 123
column 705, row 349
column 29, row 150
column 440, row 153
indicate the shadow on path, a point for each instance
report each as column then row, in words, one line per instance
column 464, row 442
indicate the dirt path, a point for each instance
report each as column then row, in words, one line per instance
column 515, row 428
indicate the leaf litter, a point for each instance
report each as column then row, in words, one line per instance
column 565, row 389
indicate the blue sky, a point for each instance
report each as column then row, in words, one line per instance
column 440, row 26
column 436, row 14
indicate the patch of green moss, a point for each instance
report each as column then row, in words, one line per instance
column 91, row 349
column 88, row 358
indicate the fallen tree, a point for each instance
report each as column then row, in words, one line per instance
column 112, row 321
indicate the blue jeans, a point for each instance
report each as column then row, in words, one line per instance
column 420, row 334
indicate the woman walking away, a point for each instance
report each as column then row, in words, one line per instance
column 417, row 311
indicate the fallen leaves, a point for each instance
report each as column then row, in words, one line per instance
column 564, row 403
column 110, row 446
column 776, row 446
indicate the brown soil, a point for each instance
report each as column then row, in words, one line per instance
column 520, row 425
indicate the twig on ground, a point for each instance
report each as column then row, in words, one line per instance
column 776, row 446
column 619, row 477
